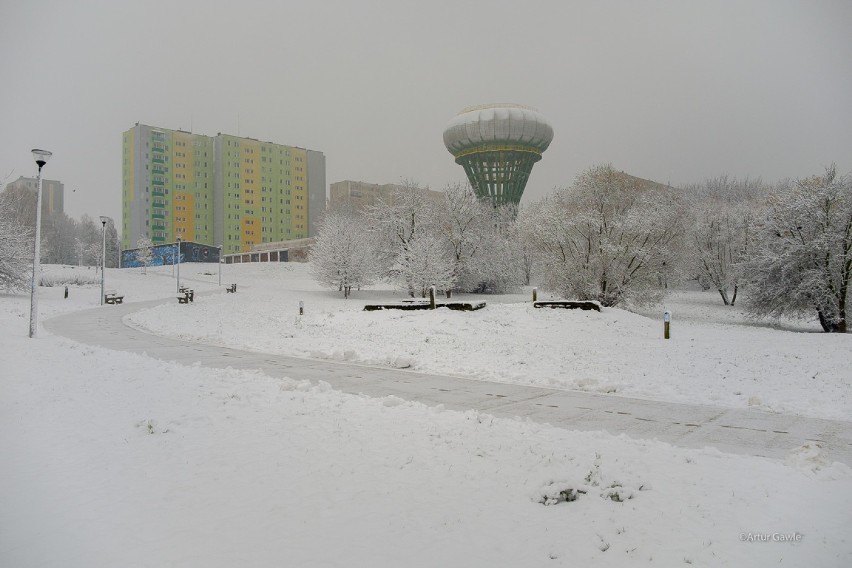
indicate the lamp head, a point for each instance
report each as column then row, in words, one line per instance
column 41, row 157
column 104, row 220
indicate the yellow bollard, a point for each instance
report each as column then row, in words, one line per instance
column 535, row 294
column 667, row 318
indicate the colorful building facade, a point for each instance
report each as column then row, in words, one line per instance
column 222, row 190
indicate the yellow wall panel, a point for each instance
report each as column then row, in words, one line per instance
column 249, row 232
column 183, row 215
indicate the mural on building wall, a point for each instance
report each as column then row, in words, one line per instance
column 165, row 255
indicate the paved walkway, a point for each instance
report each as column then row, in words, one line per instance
column 743, row 431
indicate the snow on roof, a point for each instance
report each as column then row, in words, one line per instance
column 498, row 123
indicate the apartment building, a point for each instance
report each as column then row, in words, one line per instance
column 221, row 190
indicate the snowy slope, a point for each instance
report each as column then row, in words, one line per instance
column 716, row 355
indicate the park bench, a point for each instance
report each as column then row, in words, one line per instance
column 424, row 305
column 575, row 305
column 112, row 297
column 232, row 288
column 187, row 296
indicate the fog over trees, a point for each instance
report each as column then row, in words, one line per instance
column 782, row 249
column 63, row 240
column 416, row 241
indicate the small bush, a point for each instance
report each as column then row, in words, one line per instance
column 51, row 280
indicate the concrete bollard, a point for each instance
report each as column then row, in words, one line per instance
column 301, row 308
column 667, row 318
column 535, row 294
column 66, row 292
column 431, row 297
column 449, row 294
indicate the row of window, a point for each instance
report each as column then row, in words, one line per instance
column 283, row 151
column 270, row 200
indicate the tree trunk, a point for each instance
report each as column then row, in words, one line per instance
column 823, row 322
column 734, row 299
column 724, row 294
column 830, row 326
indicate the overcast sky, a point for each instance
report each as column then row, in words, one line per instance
column 671, row 91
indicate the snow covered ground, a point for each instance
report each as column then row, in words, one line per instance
column 716, row 355
column 115, row 459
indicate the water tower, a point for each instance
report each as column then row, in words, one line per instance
column 497, row 145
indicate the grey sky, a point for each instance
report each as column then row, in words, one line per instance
column 672, row 91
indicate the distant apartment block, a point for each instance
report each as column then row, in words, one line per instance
column 220, row 190
column 359, row 195
column 52, row 193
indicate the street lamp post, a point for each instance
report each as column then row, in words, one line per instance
column 178, row 264
column 41, row 158
column 220, row 265
column 103, row 255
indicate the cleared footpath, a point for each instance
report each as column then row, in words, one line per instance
column 742, row 431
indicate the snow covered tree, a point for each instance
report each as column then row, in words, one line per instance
column 16, row 248
column 485, row 253
column 90, row 236
column 58, row 234
column 463, row 225
column 113, row 245
column 144, row 253
column 94, row 254
column 20, row 203
column 470, row 236
column 344, row 252
column 722, row 231
column 424, row 263
column 526, row 254
column 498, row 265
column 610, row 237
column 397, row 224
column 803, row 260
